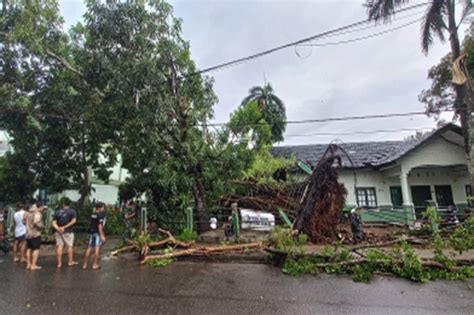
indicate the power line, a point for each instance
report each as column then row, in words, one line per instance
column 362, row 132
column 397, row 18
column 347, row 41
column 220, row 124
column 311, row 44
column 345, row 118
column 291, row 44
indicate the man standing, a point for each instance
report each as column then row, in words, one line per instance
column 129, row 214
column 19, row 246
column 2, row 232
column 97, row 236
column 4, row 243
column 34, row 226
column 63, row 221
column 356, row 225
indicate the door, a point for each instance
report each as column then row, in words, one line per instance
column 444, row 196
column 396, row 197
column 420, row 195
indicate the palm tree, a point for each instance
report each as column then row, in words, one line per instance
column 272, row 109
column 439, row 21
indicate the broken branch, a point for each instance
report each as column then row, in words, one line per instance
column 203, row 251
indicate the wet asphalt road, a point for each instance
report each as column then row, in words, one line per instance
column 122, row 287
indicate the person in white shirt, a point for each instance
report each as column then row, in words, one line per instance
column 19, row 246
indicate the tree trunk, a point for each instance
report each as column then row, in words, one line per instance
column 85, row 189
column 461, row 102
column 86, row 178
column 4, row 6
column 200, row 200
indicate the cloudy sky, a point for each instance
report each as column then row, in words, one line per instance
column 383, row 74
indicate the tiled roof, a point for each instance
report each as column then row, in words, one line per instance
column 362, row 154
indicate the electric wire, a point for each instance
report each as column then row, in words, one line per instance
column 291, row 44
column 363, row 37
column 362, row 132
column 40, row 115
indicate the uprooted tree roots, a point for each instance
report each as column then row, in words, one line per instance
column 267, row 198
column 322, row 203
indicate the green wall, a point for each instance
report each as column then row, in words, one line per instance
column 387, row 214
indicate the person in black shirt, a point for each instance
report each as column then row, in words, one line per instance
column 63, row 222
column 129, row 215
column 97, row 236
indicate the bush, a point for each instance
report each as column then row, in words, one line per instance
column 282, row 239
column 295, row 267
column 114, row 224
column 187, row 235
column 463, row 237
column 164, row 261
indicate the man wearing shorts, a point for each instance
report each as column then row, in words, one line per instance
column 97, row 236
column 19, row 246
column 34, row 226
column 2, row 232
column 63, row 221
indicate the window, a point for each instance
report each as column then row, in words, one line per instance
column 470, row 202
column 444, row 196
column 366, row 197
column 396, row 196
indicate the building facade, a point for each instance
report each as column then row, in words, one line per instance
column 395, row 180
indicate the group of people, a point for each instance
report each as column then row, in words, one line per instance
column 29, row 224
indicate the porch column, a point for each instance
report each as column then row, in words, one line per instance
column 407, row 205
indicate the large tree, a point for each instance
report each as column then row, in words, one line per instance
column 439, row 21
column 271, row 107
column 441, row 94
column 52, row 113
column 139, row 60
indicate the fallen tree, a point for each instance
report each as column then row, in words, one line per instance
column 268, row 198
column 203, row 251
column 144, row 248
column 425, row 263
column 323, row 200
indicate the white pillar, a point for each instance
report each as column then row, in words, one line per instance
column 408, row 207
column 405, row 191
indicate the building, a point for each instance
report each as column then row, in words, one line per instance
column 394, row 180
column 105, row 192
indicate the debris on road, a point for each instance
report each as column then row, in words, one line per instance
column 144, row 248
column 204, row 251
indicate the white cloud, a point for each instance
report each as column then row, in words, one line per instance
column 378, row 75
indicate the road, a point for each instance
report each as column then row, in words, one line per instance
column 123, row 287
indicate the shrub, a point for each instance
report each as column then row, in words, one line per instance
column 462, row 238
column 187, row 235
column 114, row 224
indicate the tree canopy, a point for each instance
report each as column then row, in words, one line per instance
column 441, row 94
column 272, row 109
column 121, row 82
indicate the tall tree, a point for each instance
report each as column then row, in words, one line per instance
column 441, row 94
column 139, row 60
column 49, row 108
column 272, row 108
column 439, row 21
